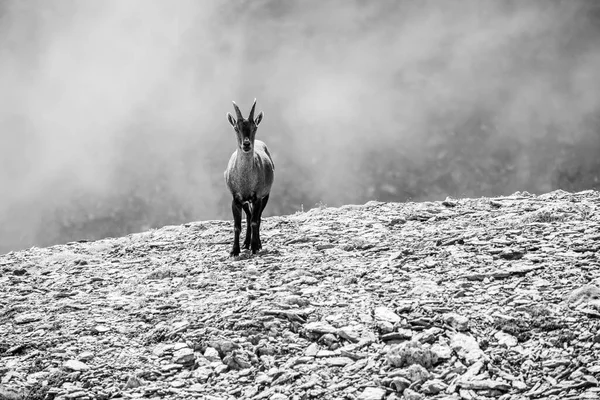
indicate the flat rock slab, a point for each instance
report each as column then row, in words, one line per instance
column 75, row 365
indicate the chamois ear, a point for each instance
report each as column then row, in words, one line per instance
column 259, row 118
column 231, row 120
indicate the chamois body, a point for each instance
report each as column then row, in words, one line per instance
column 249, row 177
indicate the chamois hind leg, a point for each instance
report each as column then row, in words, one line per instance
column 236, row 209
column 248, row 211
column 255, row 241
column 264, row 204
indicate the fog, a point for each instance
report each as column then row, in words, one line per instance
column 112, row 113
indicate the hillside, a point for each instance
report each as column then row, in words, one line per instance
column 457, row 299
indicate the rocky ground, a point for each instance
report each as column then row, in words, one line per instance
column 470, row 298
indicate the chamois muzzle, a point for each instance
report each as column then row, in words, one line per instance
column 246, row 145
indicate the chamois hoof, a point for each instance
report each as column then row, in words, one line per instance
column 234, row 253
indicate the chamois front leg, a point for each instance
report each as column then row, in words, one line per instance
column 248, row 211
column 264, row 204
column 236, row 208
column 255, row 242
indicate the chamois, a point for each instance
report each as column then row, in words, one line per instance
column 249, row 177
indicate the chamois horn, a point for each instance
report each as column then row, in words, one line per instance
column 237, row 111
column 251, row 116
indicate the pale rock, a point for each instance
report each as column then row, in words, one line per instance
column 311, row 350
column 414, row 373
column 442, row 351
column 101, row 329
column 404, row 306
column 433, row 386
column 237, row 360
column 320, row 327
column 325, row 353
column 211, row 354
column 180, row 326
column 417, row 373
column 405, row 334
column 385, row 314
column 472, row 371
column 385, row 326
column 520, row 385
column 75, row 365
column 466, row 347
column 76, row 394
column 184, row 356
column 458, row 322
column 594, row 369
column 262, row 379
column 350, row 333
column 85, row 356
column 202, row 374
column 504, row 339
column 411, row 353
column 400, row 383
column 179, row 346
column 133, row 382
column 227, row 346
column 196, row 387
column 338, row 361
column 170, row 367
column 221, row 368
column 372, row 393
column 484, row 384
column 328, row 339
column 185, row 374
column 429, row 335
column 27, row 318
column 410, row 394
column 161, row 349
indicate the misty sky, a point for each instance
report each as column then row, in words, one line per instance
column 120, row 105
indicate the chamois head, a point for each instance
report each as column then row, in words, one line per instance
column 245, row 129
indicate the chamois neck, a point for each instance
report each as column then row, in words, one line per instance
column 245, row 157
